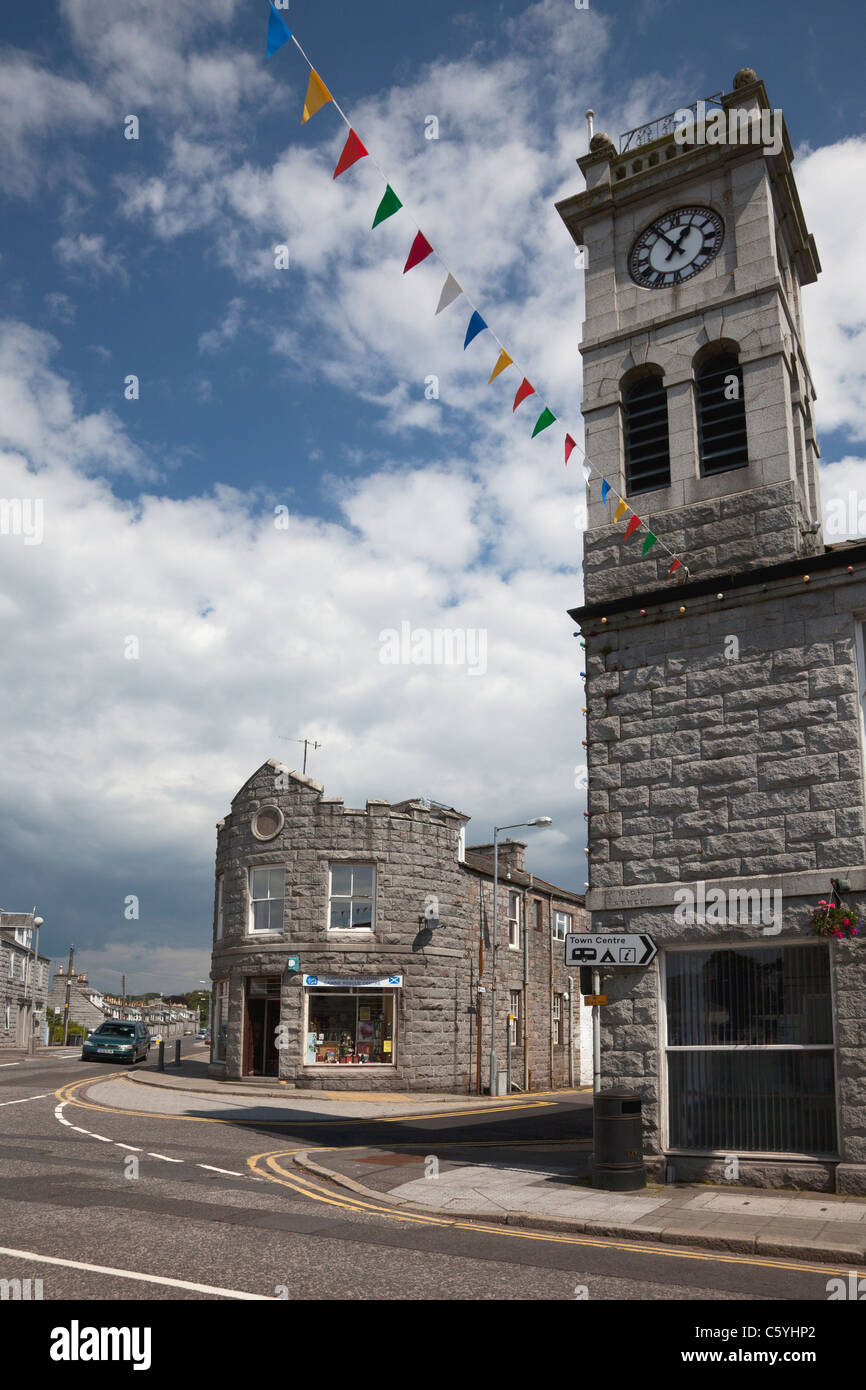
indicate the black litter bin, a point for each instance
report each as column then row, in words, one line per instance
column 617, row 1149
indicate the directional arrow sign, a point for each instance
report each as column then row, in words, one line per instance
column 609, row 949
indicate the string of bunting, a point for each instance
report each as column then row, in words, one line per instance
column 318, row 95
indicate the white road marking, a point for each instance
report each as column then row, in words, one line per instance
column 131, row 1274
column 58, row 1114
column 230, row 1172
column 164, row 1158
column 127, row 1146
column 10, row 1064
column 24, row 1099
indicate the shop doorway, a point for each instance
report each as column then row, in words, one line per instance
column 261, row 1024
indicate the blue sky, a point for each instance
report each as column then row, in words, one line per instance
column 305, row 388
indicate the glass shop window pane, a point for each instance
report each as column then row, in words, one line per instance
column 769, row 995
column 767, row 1102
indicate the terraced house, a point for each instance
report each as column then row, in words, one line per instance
column 352, row 948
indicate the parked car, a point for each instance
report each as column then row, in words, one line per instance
column 119, row 1041
column 202, row 1035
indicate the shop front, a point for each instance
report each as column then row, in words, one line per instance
column 350, row 1020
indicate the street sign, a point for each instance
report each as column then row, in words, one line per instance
column 595, row 999
column 609, row 949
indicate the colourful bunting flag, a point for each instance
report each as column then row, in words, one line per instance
column 648, row 543
column 278, row 31
column 605, row 489
column 569, row 445
column 317, row 96
column 546, row 418
column 476, row 326
column 353, row 150
column 502, row 361
column 632, row 526
column 450, row 291
column 675, row 566
column 620, row 512
column 523, row 391
column 389, row 205
column 421, row 249
column 586, row 469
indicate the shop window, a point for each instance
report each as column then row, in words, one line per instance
column 351, row 897
column 721, row 414
column 561, row 925
column 352, row 1028
column 557, row 1018
column 220, row 1029
column 647, row 451
column 514, row 1018
column 514, row 921
column 267, row 892
column 750, row 1050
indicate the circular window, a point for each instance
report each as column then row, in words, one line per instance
column 267, row 823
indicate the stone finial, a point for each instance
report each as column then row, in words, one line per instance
column 601, row 143
column 744, row 78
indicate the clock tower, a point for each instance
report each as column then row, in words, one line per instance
column 697, row 396
column 725, row 706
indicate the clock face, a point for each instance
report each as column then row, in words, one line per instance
column 675, row 247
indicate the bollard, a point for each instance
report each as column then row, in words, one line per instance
column 160, row 1064
column 177, row 1052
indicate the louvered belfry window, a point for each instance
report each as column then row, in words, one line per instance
column 721, row 415
column 647, row 452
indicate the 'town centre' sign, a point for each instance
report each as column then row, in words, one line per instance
column 631, row 949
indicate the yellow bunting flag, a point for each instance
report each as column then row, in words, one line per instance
column 502, row 362
column 317, row 96
column 620, row 512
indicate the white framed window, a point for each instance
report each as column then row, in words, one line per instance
column 557, row 1018
column 267, row 893
column 11, row 965
column 8, row 1017
column 514, row 1017
column 219, row 907
column 514, row 921
column 21, row 935
column 220, row 1020
column 351, row 894
column 749, row 1051
column 562, row 922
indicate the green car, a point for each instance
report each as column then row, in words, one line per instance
column 120, row 1042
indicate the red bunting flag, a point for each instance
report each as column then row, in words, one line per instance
column 353, row 150
column 632, row 526
column 524, row 390
column 569, row 445
column 421, row 249
column 675, row 566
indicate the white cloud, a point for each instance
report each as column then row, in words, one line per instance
column 90, row 253
column 39, row 111
column 59, row 306
column 832, row 184
column 226, row 331
column 136, row 759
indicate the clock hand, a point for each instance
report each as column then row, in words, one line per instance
column 678, row 246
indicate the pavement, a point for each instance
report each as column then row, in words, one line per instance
column 546, row 1186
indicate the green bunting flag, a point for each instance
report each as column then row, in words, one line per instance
column 546, row 418
column 648, row 543
column 389, row 205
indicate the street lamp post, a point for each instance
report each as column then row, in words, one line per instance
column 37, row 923
column 536, row 820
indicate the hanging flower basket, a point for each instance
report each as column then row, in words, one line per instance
column 827, row 920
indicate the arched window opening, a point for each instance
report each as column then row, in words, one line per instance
column 721, row 415
column 647, row 451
